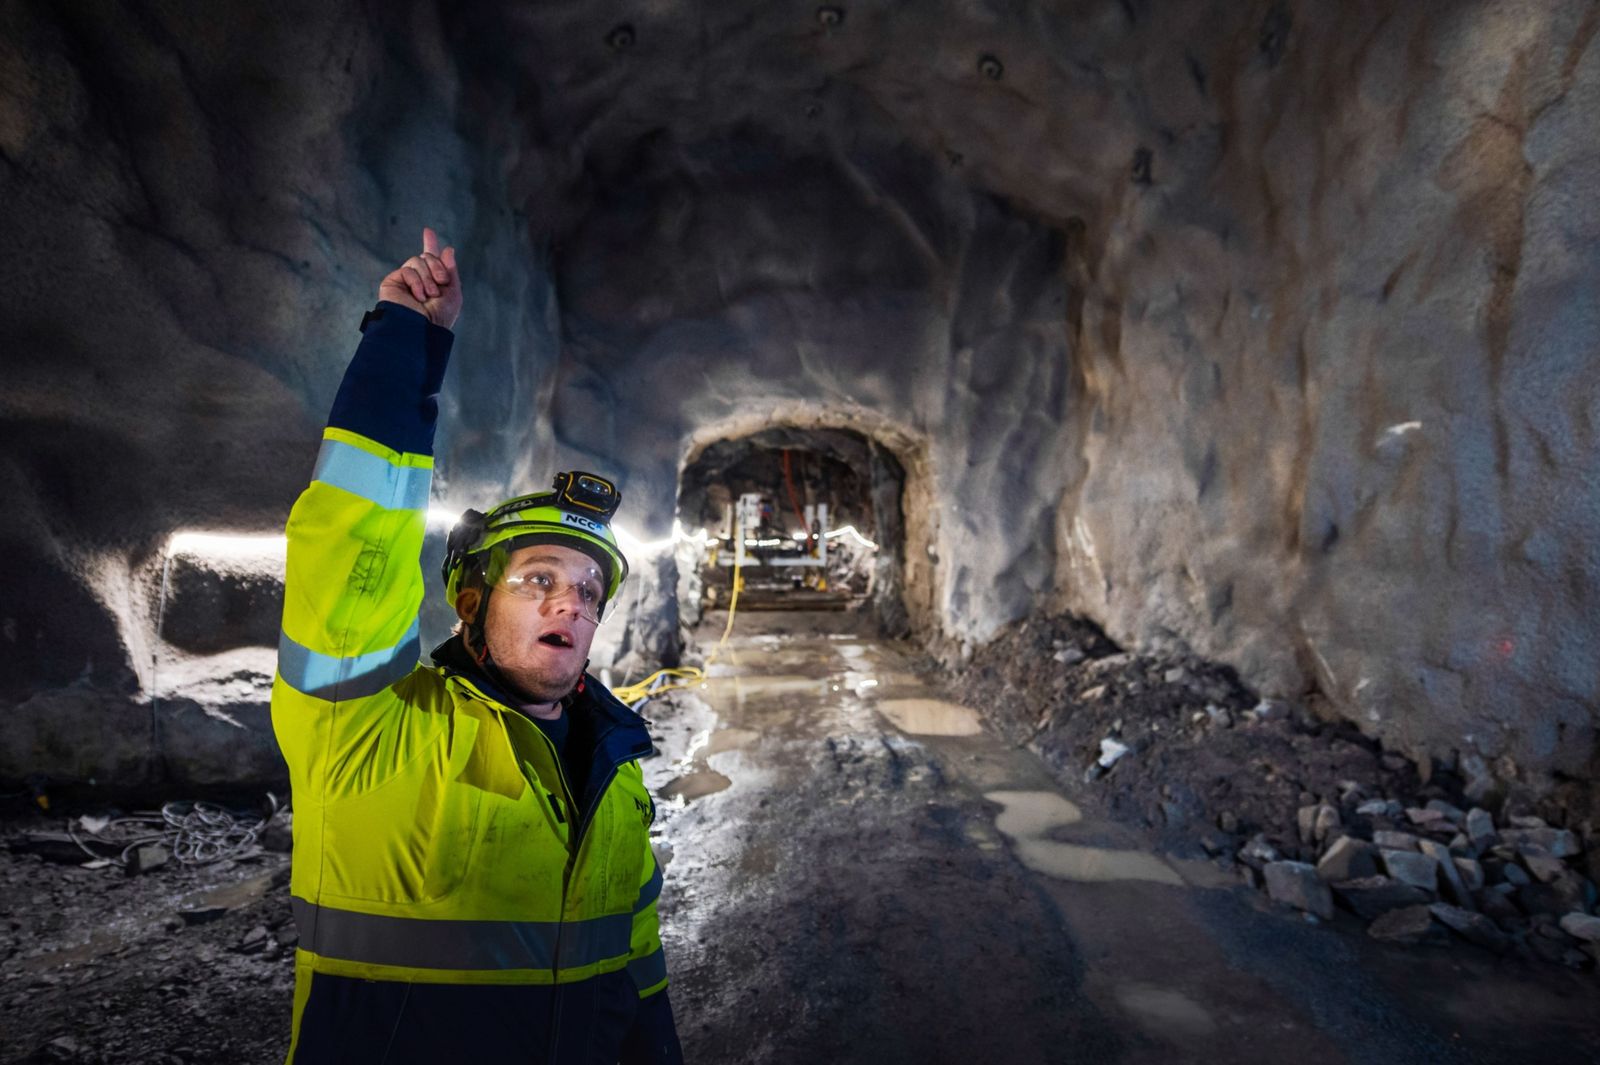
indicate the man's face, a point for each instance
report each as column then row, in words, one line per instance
column 541, row 644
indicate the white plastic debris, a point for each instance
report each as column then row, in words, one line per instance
column 1111, row 752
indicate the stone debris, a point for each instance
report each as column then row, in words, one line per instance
column 1480, row 827
column 1558, row 843
column 1395, row 841
column 1432, row 871
column 1258, row 851
column 1544, row 866
column 1473, row 927
column 277, row 835
column 1455, row 815
column 1370, row 897
column 1470, row 871
column 1411, row 867
column 1424, row 818
column 255, row 940
column 1454, row 886
column 104, row 967
column 1409, row 926
column 144, row 859
column 1297, row 885
column 1348, row 859
column 1112, row 751
column 1383, row 831
column 1582, row 926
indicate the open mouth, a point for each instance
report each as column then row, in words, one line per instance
column 555, row 639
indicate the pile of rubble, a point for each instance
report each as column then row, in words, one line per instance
column 1422, row 873
column 1300, row 804
column 117, row 946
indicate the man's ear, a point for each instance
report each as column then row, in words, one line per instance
column 467, row 602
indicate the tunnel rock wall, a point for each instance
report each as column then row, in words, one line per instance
column 1337, row 423
column 1254, row 330
column 1259, row 329
column 200, row 204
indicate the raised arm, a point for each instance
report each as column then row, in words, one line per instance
column 354, row 584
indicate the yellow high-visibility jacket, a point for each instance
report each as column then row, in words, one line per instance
column 446, row 872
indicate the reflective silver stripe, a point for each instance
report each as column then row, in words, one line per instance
column 326, row 677
column 416, row 943
column 650, row 892
column 371, row 477
column 649, row 970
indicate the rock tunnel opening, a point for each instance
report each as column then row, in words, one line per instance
column 819, row 514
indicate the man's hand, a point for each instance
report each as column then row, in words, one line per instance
column 427, row 283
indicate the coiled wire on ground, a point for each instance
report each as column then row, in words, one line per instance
column 195, row 833
column 674, row 679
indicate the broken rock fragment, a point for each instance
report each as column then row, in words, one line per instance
column 1471, row 873
column 1454, row 886
column 1480, row 827
column 1408, row 926
column 1297, row 885
column 1370, row 897
column 1581, row 926
column 1473, row 927
column 1348, row 859
column 1544, row 866
column 1556, row 842
column 1395, row 841
column 1411, row 867
column 143, row 859
column 1450, row 813
column 1258, row 851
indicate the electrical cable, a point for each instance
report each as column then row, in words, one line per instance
column 196, row 833
column 634, row 695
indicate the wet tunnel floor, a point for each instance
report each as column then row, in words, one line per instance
column 860, row 871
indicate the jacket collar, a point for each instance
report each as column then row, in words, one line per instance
column 590, row 699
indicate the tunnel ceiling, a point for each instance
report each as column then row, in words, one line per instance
column 1258, row 329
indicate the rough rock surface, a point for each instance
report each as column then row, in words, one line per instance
column 1261, row 331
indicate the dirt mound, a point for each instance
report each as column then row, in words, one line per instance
column 1180, row 745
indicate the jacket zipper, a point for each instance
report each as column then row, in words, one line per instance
column 576, row 838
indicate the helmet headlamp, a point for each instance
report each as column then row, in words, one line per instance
column 576, row 513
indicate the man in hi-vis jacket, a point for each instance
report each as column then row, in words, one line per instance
column 473, row 879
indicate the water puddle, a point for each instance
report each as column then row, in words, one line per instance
column 730, row 739
column 1033, row 814
column 1164, row 1011
column 931, row 717
column 695, row 785
column 1030, row 816
column 741, row 686
column 234, row 895
column 99, row 945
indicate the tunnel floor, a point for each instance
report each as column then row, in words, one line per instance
column 857, row 870
column 862, row 871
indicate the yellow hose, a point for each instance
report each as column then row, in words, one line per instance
column 688, row 676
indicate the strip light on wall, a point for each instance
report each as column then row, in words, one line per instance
column 195, row 542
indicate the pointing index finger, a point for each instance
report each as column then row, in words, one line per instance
column 430, row 241
column 449, row 259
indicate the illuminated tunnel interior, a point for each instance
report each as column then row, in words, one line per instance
column 1108, row 490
